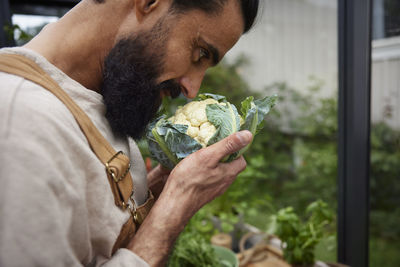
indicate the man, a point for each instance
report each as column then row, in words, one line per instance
column 116, row 59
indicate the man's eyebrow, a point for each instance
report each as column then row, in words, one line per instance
column 215, row 54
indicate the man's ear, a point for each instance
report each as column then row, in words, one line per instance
column 144, row 7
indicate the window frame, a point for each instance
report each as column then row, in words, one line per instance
column 354, row 31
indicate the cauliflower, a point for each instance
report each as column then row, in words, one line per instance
column 201, row 123
column 194, row 116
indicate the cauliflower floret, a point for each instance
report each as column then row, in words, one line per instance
column 180, row 117
column 193, row 131
column 197, row 117
column 207, row 130
column 194, row 115
column 241, row 121
column 195, row 111
column 206, row 126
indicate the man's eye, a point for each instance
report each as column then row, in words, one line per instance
column 204, row 53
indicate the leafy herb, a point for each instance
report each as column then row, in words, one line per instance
column 192, row 250
column 301, row 238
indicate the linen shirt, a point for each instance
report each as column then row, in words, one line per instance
column 56, row 204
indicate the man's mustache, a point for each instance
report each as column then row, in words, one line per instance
column 171, row 87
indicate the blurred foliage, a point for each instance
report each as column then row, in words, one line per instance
column 14, row 32
column 383, row 252
column 193, row 249
column 22, row 36
column 385, row 196
column 301, row 237
column 293, row 160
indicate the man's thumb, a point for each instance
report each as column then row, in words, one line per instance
column 244, row 138
column 231, row 144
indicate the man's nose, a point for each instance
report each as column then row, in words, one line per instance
column 192, row 83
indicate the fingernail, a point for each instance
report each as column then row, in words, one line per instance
column 244, row 137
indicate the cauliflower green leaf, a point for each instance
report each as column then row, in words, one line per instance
column 253, row 114
column 225, row 118
column 169, row 143
column 219, row 98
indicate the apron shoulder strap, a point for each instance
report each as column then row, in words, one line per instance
column 116, row 163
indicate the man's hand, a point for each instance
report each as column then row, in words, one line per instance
column 195, row 181
column 201, row 177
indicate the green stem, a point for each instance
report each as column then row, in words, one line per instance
column 163, row 146
column 253, row 129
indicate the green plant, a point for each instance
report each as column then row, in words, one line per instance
column 192, row 249
column 193, row 246
column 15, row 32
column 301, row 237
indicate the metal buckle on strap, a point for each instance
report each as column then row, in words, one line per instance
column 137, row 218
column 111, row 172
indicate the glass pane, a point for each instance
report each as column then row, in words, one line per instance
column 291, row 52
column 385, row 135
column 25, row 27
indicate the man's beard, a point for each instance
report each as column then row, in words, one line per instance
column 130, row 91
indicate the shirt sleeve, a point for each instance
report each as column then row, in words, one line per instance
column 125, row 258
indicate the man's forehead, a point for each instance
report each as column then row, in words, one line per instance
column 223, row 30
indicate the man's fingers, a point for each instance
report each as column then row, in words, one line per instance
column 235, row 167
column 157, row 173
column 163, row 170
column 230, row 171
column 229, row 145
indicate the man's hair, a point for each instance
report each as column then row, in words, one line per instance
column 249, row 8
